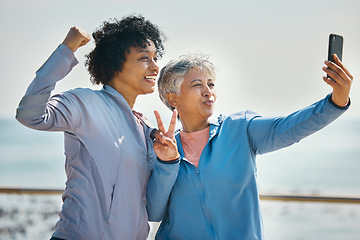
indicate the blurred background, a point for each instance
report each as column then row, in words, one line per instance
column 268, row 56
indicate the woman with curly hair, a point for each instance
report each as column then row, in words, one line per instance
column 112, row 170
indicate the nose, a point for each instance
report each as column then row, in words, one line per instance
column 207, row 91
column 154, row 67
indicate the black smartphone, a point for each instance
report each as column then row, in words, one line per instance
column 335, row 46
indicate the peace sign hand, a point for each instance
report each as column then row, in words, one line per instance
column 165, row 145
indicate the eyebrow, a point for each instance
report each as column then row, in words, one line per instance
column 196, row 80
column 144, row 50
column 199, row 80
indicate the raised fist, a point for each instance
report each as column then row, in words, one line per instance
column 76, row 38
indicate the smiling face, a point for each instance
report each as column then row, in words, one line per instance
column 139, row 73
column 196, row 101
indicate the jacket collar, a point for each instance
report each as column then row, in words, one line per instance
column 122, row 102
column 117, row 96
column 215, row 126
column 214, row 130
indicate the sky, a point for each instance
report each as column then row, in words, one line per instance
column 268, row 54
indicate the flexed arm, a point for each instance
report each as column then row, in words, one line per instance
column 36, row 110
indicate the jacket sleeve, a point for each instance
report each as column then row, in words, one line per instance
column 36, row 109
column 270, row 134
column 161, row 182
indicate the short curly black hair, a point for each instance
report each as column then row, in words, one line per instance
column 114, row 39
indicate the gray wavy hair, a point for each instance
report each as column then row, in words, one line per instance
column 172, row 75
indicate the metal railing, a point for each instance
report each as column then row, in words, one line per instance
column 298, row 198
column 30, row 191
column 313, row 198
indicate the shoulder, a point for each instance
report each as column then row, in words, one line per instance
column 80, row 95
column 82, row 91
column 239, row 117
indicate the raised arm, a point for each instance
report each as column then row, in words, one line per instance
column 36, row 109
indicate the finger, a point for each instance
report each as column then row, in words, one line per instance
column 158, row 134
column 330, row 82
column 85, row 40
column 170, row 148
column 330, row 73
column 85, row 36
column 169, row 142
column 172, row 124
column 341, row 65
column 339, row 68
column 335, row 72
column 159, row 121
column 157, row 145
column 76, row 38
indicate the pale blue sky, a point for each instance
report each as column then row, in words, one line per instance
column 269, row 54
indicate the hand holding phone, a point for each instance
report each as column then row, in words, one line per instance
column 341, row 86
column 335, row 47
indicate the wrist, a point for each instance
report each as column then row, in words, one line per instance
column 176, row 160
column 72, row 48
column 339, row 104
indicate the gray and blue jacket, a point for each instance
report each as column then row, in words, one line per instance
column 111, row 175
column 219, row 199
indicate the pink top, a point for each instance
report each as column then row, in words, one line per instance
column 138, row 118
column 193, row 144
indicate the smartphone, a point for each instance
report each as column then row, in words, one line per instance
column 335, row 46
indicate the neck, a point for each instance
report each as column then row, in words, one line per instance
column 192, row 126
column 129, row 98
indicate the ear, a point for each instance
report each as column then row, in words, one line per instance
column 172, row 98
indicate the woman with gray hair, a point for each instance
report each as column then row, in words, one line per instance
column 215, row 195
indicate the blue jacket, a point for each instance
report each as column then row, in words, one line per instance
column 110, row 172
column 219, row 199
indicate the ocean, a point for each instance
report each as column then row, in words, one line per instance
column 325, row 164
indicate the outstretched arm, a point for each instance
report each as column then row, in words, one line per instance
column 269, row 134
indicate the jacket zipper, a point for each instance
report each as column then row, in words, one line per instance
column 205, row 206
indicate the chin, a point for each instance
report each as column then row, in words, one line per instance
column 208, row 114
column 147, row 91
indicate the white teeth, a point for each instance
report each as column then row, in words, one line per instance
column 152, row 78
